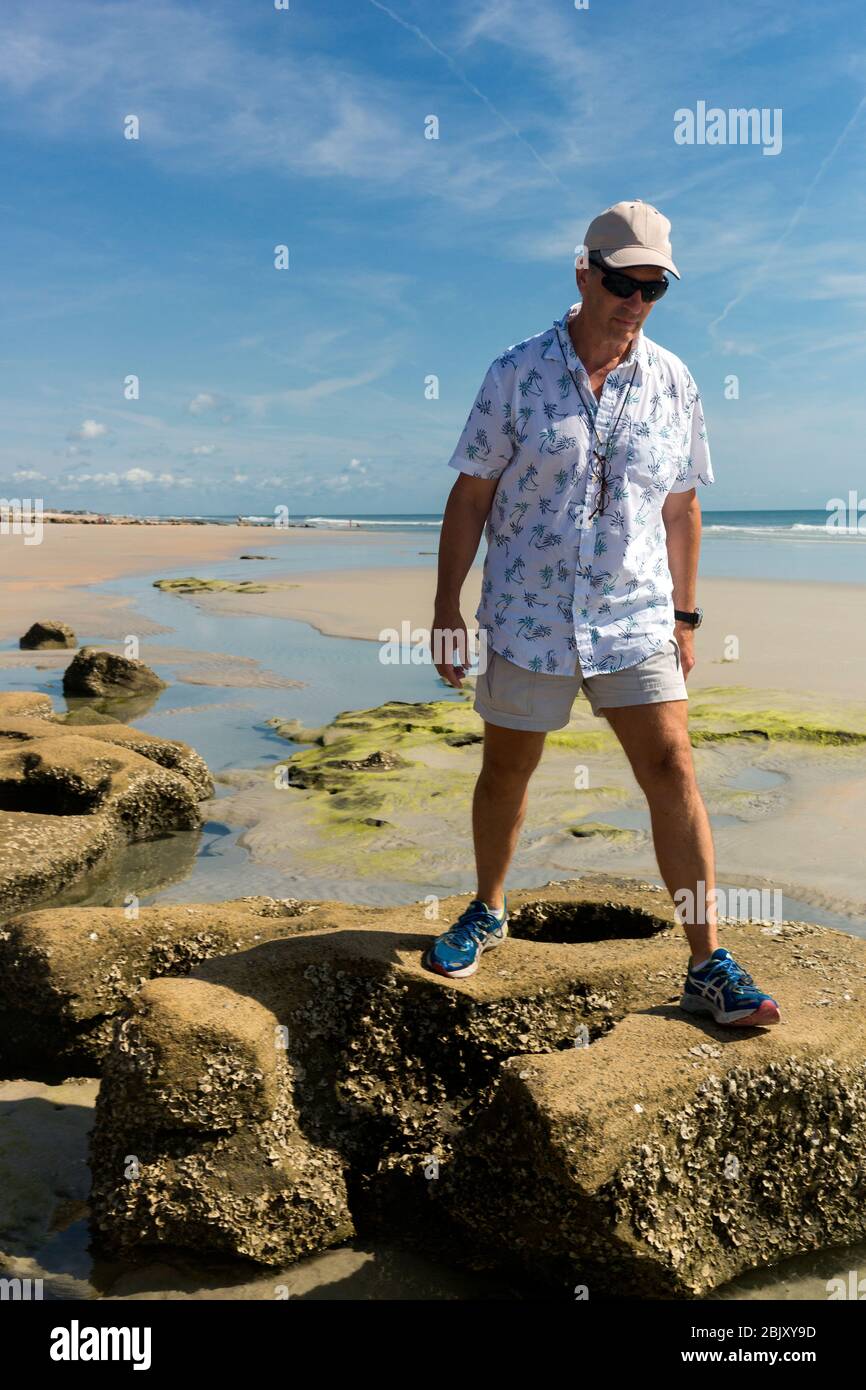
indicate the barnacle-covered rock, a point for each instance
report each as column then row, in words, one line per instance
column 93, row 672
column 379, row 1061
column 70, row 795
column 280, row 1097
column 67, row 973
column 648, row 1166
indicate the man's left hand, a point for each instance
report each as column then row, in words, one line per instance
column 684, row 636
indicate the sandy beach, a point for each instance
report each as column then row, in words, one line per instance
column 780, row 627
column 58, row 574
column 803, row 638
column 801, row 654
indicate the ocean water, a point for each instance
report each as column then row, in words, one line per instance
column 757, row 544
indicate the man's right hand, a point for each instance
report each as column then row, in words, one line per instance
column 466, row 511
column 450, row 641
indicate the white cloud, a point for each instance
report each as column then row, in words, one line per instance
column 346, row 481
column 203, row 450
column 75, row 480
column 203, row 402
column 133, row 477
column 28, row 475
column 88, row 429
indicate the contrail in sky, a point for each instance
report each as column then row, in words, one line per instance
column 740, row 296
column 461, row 77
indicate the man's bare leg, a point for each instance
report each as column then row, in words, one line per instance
column 655, row 739
column 499, row 804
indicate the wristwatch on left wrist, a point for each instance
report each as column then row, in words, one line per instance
column 693, row 619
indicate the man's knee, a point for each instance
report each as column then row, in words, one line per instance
column 667, row 761
column 510, row 755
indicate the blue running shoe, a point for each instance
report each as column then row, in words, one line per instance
column 456, row 953
column 722, row 988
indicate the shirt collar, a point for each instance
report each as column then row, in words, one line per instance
column 560, row 342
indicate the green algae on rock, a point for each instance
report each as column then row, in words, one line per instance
column 347, row 779
column 718, row 713
column 192, row 585
column 714, row 714
column 588, row 828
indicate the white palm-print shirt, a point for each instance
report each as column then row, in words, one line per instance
column 560, row 585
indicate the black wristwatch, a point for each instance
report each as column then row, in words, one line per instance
column 693, row 619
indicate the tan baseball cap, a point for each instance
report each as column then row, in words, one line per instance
column 632, row 233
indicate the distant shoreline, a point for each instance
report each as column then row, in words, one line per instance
column 123, row 519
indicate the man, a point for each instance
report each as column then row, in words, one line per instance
column 580, row 458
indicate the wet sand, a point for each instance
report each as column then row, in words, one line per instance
column 796, row 636
column 764, row 838
column 54, row 577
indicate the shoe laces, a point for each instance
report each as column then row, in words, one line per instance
column 469, row 929
column 739, row 978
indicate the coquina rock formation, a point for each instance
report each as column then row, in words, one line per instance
column 71, row 794
column 279, row 1098
column 68, row 974
column 47, row 635
column 99, row 674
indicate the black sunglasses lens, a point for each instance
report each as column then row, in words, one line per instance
column 653, row 290
column 617, row 284
column 623, row 286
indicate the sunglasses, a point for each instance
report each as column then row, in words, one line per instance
column 624, row 286
column 604, row 472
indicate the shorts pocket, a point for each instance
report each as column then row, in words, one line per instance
column 676, row 646
column 510, row 686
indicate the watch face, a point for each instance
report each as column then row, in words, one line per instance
column 699, row 616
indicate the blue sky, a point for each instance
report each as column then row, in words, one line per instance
column 409, row 257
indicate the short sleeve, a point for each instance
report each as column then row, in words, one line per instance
column 487, row 444
column 696, row 466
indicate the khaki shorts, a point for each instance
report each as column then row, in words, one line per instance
column 516, row 698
